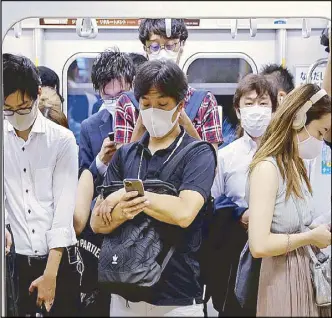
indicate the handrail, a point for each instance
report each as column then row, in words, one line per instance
column 313, row 67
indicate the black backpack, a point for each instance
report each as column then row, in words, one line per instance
column 134, row 256
column 191, row 109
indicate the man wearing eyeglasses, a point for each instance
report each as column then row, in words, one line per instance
column 163, row 39
column 112, row 74
column 40, row 180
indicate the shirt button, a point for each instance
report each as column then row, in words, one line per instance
column 25, row 170
column 26, row 190
column 33, row 231
column 29, row 211
column 23, row 149
column 36, row 251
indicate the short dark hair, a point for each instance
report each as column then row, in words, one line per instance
column 138, row 59
column 112, row 65
column 164, row 75
column 50, row 78
column 282, row 77
column 20, row 74
column 259, row 84
column 157, row 26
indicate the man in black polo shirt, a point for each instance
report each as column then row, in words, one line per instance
column 160, row 88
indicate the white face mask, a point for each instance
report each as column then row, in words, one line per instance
column 110, row 105
column 163, row 54
column 309, row 148
column 255, row 119
column 24, row 122
column 158, row 122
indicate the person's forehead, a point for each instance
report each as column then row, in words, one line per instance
column 253, row 95
column 17, row 98
column 154, row 93
column 114, row 85
column 324, row 122
column 157, row 38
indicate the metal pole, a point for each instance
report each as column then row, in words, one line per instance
column 281, row 46
column 38, row 46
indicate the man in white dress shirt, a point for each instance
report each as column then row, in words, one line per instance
column 255, row 100
column 40, row 180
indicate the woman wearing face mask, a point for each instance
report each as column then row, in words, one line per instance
column 254, row 101
column 280, row 201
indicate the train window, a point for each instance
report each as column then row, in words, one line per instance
column 219, row 73
column 81, row 100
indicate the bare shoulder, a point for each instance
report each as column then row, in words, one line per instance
column 266, row 171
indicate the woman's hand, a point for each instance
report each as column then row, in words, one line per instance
column 321, row 236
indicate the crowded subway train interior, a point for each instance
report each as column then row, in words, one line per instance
column 216, row 56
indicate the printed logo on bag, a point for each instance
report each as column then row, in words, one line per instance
column 115, row 259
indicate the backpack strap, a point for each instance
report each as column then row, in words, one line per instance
column 170, row 167
column 194, row 103
column 132, row 98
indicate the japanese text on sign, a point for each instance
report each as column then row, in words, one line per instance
column 317, row 75
column 108, row 22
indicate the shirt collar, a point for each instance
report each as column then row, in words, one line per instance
column 143, row 143
column 38, row 126
column 249, row 143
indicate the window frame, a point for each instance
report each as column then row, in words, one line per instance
column 65, row 68
column 228, row 88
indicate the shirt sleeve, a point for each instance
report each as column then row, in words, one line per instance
column 210, row 128
column 85, row 149
column 65, row 182
column 199, row 171
column 125, row 120
column 218, row 184
column 114, row 170
column 102, row 168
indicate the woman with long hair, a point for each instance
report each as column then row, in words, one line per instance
column 280, row 201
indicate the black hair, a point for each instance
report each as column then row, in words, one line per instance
column 20, row 74
column 164, row 75
column 281, row 77
column 112, row 65
column 50, row 78
column 157, row 26
column 138, row 59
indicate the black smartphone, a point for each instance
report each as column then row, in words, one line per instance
column 111, row 136
column 134, row 185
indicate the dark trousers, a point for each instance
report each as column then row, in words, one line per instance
column 67, row 298
column 95, row 303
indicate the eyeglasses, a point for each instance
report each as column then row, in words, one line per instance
column 154, row 47
column 20, row 111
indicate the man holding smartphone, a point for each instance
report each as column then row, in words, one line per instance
column 160, row 88
column 112, row 73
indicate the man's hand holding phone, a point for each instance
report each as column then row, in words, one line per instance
column 134, row 201
column 107, row 150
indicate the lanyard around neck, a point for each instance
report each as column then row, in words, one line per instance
column 168, row 158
